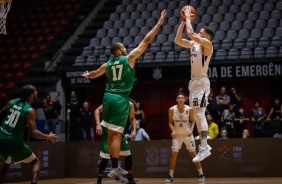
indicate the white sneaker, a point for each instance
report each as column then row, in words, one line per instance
column 122, row 171
column 202, row 154
column 209, row 148
column 169, row 179
column 116, row 175
column 201, row 178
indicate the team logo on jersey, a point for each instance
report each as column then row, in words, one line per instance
column 152, row 156
column 180, row 116
column 186, row 112
column 157, row 73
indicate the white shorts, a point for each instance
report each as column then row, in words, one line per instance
column 199, row 89
column 188, row 141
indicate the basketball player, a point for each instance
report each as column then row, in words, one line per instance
column 125, row 150
column 199, row 85
column 181, row 123
column 18, row 114
column 120, row 79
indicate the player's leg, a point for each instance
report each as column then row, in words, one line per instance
column 5, row 168
column 176, row 146
column 191, row 147
column 117, row 110
column 125, row 151
column 35, row 165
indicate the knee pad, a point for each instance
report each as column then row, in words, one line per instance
column 128, row 163
column 102, row 166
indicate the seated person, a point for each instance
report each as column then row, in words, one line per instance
column 141, row 134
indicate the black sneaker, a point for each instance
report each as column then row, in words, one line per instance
column 131, row 182
column 169, row 179
column 201, row 178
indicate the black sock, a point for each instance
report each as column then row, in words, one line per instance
column 99, row 179
column 114, row 163
column 33, row 183
column 129, row 177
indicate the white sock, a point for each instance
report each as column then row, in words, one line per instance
column 204, row 142
column 171, row 172
column 200, row 171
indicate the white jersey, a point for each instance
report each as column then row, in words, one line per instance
column 198, row 67
column 181, row 120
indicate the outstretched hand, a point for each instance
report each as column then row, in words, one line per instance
column 163, row 15
column 85, row 74
column 187, row 11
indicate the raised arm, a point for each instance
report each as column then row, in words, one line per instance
column 95, row 73
column 33, row 129
column 178, row 38
column 135, row 53
column 190, row 32
column 97, row 112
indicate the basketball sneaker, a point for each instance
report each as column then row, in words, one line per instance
column 201, row 178
column 131, row 182
column 202, row 154
column 116, row 175
column 209, row 148
column 122, row 171
column 169, row 179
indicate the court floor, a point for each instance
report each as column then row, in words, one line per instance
column 161, row 180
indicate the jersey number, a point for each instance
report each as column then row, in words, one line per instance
column 195, row 103
column 114, row 68
column 13, row 118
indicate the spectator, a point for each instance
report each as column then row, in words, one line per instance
column 73, row 111
column 258, row 118
column 51, row 110
column 139, row 115
column 212, row 127
column 245, row 134
column 236, row 100
column 141, row 134
column 275, row 114
column 240, row 121
column 86, row 119
column 222, row 100
column 212, row 108
column 227, row 119
column 223, row 133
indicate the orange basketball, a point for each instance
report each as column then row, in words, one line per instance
column 193, row 13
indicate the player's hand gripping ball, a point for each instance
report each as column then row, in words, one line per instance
column 193, row 13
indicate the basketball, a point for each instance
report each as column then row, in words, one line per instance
column 193, row 13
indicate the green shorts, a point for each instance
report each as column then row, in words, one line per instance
column 124, row 146
column 116, row 108
column 15, row 148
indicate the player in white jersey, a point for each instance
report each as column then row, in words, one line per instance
column 199, row 85
column 181, row 122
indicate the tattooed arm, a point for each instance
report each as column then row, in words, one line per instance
column 135, row 53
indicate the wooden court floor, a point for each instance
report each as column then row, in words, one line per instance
column 161, row 180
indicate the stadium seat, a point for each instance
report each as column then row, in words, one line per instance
column 220, row 54
column 160, row 57
column 271, row 52
column 183, row 56
column 123, row 32
column 134, row 31
column 246, row 53
column 259, row 52
column 246, row 8
column 233, row 53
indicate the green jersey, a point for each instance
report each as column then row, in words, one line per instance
column 120, row 76
column 14, row 122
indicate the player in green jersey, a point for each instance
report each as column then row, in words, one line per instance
column 18, row 114
column 124, row 147
column 120, row 79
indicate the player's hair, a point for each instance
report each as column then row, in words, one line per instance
column 209, row 30
column 223, row 128
column 180, row 93
column 26, row 91
column 114, row 47
column 257, row 101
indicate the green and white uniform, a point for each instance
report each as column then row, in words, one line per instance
column 11, row 133
column 124, row 146
column 120, row 81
